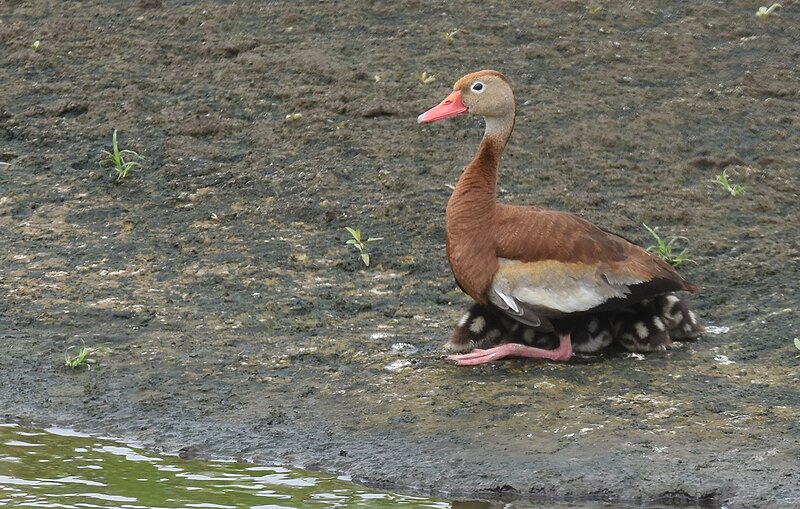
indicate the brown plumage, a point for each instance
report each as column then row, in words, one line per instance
column 540, row 276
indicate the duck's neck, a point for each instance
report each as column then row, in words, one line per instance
column 470, row 214
column 473, row 201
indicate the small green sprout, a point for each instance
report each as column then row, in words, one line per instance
column 733, row 190
column 293, row 117
column 81, row 359
column 116, row 159
column 764, row 12
column 359, row 244
column 666, row 248
column 425, row 78
column 341, row 125
column 593, row 8
column 450, row 36
column 36, row 45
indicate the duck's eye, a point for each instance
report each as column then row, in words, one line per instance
column 478, row 87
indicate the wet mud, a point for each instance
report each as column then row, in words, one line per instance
column 231, row 319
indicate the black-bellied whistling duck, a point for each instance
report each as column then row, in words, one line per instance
column 544, row 282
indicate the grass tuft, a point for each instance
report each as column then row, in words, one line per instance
column 424, row 78
column 666, row 248
column 732, row 189
column 117, row 160
column 80, row 359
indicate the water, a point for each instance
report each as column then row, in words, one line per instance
column 64, row 469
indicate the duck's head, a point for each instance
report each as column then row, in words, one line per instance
column 486, row 93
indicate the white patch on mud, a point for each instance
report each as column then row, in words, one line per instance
column 403, row 349
column 724, row 360
column 713, row 329
column 398, row 365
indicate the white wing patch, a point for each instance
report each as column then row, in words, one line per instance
column 509, row 302
column 557, row 286
column 510, row 305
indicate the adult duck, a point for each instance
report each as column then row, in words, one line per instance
column 545, row 283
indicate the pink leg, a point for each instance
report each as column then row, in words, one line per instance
column 478, row 356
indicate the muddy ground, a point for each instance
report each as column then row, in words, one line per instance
column 231, row 319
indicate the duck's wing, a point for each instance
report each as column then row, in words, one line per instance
column 553, row 263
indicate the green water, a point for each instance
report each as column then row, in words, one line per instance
column 63, row 469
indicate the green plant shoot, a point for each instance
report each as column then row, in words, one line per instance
column 764, row 12
column 80, row 359
column 733, row 190
column 425, row 78
column 666, row 248
column 450, row 36
column 117, row 160
column 361, row 245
